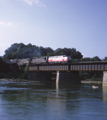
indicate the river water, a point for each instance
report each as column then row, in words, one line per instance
column 39, row 101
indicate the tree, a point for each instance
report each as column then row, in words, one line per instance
column 4, row 68
column 85, row 59
column 105, row 59
column 96, row 58
column 20, row 50
column 24, row 75
column 58, row 52
column 68, row 51
column 12, row 51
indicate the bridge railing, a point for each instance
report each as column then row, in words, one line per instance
column 70, row 67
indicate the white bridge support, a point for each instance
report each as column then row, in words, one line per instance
column 104, row 78
column 67, row 78
column 104, row 89
column 57, row 80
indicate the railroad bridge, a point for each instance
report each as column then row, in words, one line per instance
column 69, row 72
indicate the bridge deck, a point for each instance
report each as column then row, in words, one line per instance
column 95, row 66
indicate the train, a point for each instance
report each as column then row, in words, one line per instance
column 51, row 59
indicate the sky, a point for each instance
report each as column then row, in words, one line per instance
column 80, row 24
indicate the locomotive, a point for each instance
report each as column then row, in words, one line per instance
column 51, row 59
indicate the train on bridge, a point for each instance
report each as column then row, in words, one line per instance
column 51, row 59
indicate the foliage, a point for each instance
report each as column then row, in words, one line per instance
column 4, row 67
column 85, row 59
column 19, row 51
column 94, row 75
column 68, row 51
column 96, row 58
column 24, row 75
column 105, row 59
column 6, row 71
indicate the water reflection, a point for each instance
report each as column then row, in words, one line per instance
column 42, row 101
column 104, row 93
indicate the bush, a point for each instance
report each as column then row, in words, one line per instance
column 2, row 75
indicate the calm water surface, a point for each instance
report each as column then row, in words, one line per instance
column 38, row 101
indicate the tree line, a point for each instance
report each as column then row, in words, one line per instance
column 20, row 51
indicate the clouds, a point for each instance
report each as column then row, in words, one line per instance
column 6, row 24
column 37, row 2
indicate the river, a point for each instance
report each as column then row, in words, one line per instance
column 40, row 101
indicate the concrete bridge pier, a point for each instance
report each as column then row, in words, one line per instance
column 67, row 78
column 57, row 80
column 104, row 89
column 104, row 78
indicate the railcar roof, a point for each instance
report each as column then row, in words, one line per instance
column 58, row 56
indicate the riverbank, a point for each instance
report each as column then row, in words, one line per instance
column 90, row 82
column 23, row 80
column 14, row 80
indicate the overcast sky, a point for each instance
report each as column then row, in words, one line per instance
column 80, row 24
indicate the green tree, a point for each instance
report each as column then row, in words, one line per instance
column 24, row 75
column 49, row 51
column 68, row 51
column 96, row 58
column 4, row 67
column 85, row 59
column 12, row 51
column 58, row 52
column 105, row 59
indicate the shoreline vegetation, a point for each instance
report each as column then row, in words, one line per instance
column 24, row 80
column 14, row 80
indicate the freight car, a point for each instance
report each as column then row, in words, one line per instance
column 51, row 59
column 39, row 60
